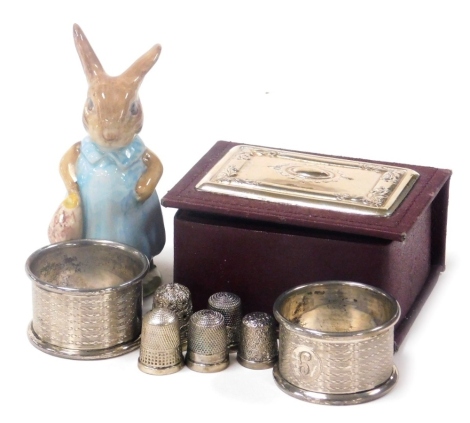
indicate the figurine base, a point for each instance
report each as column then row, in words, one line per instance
column 151, row 281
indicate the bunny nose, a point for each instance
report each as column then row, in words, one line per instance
column 109, row 135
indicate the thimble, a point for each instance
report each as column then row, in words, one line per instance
column 177, row 298
column 160, row 347
column 229, row 305
column 207, row 342
column 258, row 341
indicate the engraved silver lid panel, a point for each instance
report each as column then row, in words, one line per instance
column 309, row 180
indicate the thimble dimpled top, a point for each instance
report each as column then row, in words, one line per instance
column 229, row 305
column 160, row 349
column 207, row 342
column 258, row 341
column 177, row 298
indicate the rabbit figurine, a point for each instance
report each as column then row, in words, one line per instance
column 111, row 171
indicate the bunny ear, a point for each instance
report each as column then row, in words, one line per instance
column 142, row 65
column 91, row 64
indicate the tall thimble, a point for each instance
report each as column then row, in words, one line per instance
column 207, row 342
column 258, row 341
column 177, row 298
column 160, row 347
column 230, row 306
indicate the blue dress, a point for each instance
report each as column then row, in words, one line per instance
column 111, row 211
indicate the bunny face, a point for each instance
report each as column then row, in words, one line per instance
column 112, row 114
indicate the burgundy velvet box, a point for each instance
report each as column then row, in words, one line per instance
column 258, row 249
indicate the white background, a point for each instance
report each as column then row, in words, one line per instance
column 387, row 81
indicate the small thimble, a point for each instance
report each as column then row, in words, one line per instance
column 177, row 298
column 160, row 346
column 229, row 305
column 207, row 342
column 258, row 341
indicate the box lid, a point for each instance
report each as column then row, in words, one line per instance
column 395, row 226
column 309, row 180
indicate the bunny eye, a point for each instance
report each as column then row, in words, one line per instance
column 134, row 108
column 90, row 105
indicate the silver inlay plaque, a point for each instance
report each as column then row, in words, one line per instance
column 309, row 180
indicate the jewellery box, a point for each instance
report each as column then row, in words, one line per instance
column 257, row 221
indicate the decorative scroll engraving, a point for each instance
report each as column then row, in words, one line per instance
column 376, row 198
column 227, row 175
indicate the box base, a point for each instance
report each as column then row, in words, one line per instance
column 259, row 261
